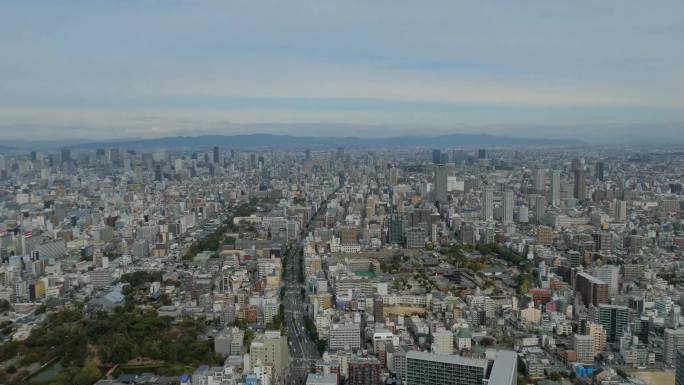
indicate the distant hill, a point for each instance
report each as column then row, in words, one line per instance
column 8, row 149
column 288, row 141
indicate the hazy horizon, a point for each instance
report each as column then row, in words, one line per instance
column 605, row 72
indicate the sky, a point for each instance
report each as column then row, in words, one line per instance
column 595, row 70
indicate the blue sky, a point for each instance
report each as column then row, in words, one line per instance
column 109, row 69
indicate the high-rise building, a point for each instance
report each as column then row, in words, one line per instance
column 437, row 156
column 600, row 171
column 580, row 187
column 364, row 371
column 598, row 337
column 584, row 348
column 672, row 342
column 378, row 309
column 415, row 237
column 270, row 349
column 539, row 180
column 66, row 155
column 609, row 274
column 482, row 153
column 592, row 290
column 508, row 201
column 430, row 369
column 157, row 172
column 487, row 203
column 679, row 376
column 394, row 176
column 555, row 188
column 523, row 214
column 614, row 319
column 576, row 164
column 441, row 184
column 620, row 211
column 216, row 155
column 395, row 233
column 539, row 208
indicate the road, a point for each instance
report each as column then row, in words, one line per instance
column 303, row 350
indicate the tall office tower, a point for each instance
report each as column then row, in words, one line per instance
column 539, row 180
column 157, row 172
column 600, row 170
column 272, row 350
column 66, row 155
column 592, row 290
column 679, row 376
column 307, row 154
column 576, row 164
column 437, row 156
column 523, row 214
column 34, row 156
column 378, row 309
column 216, row 155
column 441, row 184
column 443, row 342
column 609, row 274
column 395, row 233
column 487, row 203
column 584, row 348
column 115, row 156
column 370, row 206
column 672, row 342
column 364, row 371
column 580, row 185
column 394, row 176
column 620, row 211
column 615, row 321
column 429, row 369
column 555, row 188
column 482, row 154
column 539, row 208
column 508, row 200
column 100, row 155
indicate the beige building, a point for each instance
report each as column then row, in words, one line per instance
column 531, row 314
column 598, row 337
column 270, row 349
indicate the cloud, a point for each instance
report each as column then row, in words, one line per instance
column 193, row 63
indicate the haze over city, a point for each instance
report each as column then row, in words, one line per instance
column 341, row 192
column 599, row 71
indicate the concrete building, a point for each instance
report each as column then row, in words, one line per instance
column 487, row 204
column 271, row 350
column 364, row 371
column 443, row 342
column 429, row 369
column 508, row 202
column 441, row 175
column 614, row 319
column 672, row 342
column 584, row 347
column 679, row 375
column 592, row 290
column 344, row 336
column 555, row 188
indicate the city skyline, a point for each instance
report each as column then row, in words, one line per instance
column 600, row 71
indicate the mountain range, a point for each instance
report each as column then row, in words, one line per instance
column 289, row 141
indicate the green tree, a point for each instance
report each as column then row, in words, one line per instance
column 87, row 376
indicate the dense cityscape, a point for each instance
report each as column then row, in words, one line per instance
column 331, row 266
